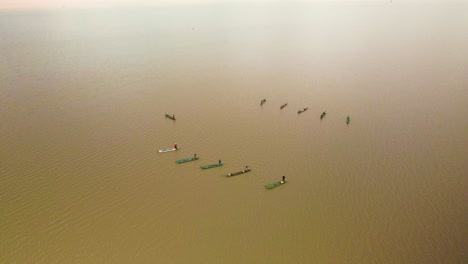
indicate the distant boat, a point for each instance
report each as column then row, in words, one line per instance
column 186, row 160
column 303, row 110
column 263, row 101
column 238, row 173
column 167, row 150
column 211, row 166
column 275, row 184
column 323, row 114
column 284, row 105
column 347, row 120
column 170, row 117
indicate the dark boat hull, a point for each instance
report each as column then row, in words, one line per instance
column 170, row 117
column 238, row 173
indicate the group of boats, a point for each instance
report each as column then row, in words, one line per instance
column 348, row 119
column 219, row 164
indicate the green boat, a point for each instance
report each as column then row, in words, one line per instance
column 186, row 160
column 275, row 184
column 170, row 117
column 211, row 166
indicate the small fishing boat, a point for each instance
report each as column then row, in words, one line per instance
column 263, row 101
column 303, row 110
column 284, row 105
column 238, row 173
column 186, row 160
column 323, row 114
column 347, row 120
column 170, row 117
column 275, row 184
column 211, row 166
column 167, row 150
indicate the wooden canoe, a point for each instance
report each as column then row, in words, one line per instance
column 303, row 110
column 170, row 117
column 238, row 173
column 323, row 115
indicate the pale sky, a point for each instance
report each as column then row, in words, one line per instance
column 90, row 3
column 32, row 4
column 102, row 3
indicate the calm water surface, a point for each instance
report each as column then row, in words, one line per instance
column 83, row 95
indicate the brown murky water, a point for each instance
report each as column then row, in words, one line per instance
column 83, row 96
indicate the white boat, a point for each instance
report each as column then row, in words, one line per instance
column 167, row 150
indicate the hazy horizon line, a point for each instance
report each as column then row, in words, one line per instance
column 58, row 4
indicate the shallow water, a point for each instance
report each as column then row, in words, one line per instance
column 83, row 97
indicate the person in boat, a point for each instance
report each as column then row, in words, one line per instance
column 283, row 180
column 175, row 146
